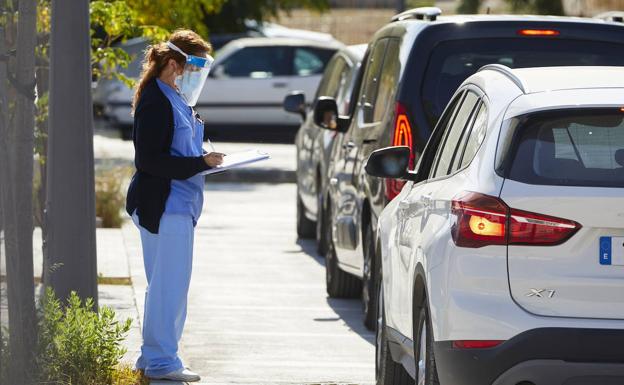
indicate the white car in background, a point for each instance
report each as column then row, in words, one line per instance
column 246, row 86
column 503, row 256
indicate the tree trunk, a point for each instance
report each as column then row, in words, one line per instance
column 17, row 199
column 70, row 203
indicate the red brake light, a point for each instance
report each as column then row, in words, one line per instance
column 527, row 228
column 483, row 220
column 402, row 137
column 476, row 344
column 538, row 32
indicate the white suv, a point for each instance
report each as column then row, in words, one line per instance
column 503, row 256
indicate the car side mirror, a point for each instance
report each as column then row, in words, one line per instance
column 390, row 162
column 295, row 103
column 326, row 115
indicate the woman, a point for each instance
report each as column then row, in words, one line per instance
column 165, row 196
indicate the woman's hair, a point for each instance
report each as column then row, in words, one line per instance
column 157, row 56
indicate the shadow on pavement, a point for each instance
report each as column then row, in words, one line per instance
column 308, row 246
column 348, row 310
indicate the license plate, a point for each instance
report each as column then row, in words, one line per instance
column 612, row 251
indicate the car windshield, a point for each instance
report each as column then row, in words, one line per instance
column 451, row 62
column 570, row 148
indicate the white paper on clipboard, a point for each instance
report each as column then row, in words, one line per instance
column 238, row 159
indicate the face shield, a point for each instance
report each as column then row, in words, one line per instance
column 192, row 80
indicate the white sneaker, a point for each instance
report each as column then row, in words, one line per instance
column 184, row 375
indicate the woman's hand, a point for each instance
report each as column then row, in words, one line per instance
column 213, row 159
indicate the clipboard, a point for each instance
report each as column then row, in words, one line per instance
column 238, row 159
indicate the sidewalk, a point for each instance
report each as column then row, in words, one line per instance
column 280, row 168
column 258, row 312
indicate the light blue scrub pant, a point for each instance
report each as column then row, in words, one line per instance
column 168, row 258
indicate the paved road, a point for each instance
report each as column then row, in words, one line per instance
column 258, row 311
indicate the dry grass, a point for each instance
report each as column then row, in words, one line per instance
column 110, row 195
column 125, row 375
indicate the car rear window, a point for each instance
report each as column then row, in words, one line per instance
column 451, row 62
column 570, row 148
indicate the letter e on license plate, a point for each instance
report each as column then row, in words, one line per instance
column 612, row 251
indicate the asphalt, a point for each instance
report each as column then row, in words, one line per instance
column 111, row 151
column 258, row 311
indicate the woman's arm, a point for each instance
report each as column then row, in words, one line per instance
column 152, row 152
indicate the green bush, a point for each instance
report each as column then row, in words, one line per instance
column 78, row 346
column 109, row 197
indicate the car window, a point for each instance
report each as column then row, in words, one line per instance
column 451, row 62
column 425, row 162
column 310, row 61
column 258, row 62
column 344, row 90
column 475, row 137
column 570, row 148
column 447, row 149
column 328, row 84
column 388, row 80
column 371, row 81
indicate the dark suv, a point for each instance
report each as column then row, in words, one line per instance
column 413, row 66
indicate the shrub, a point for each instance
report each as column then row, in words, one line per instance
column 109, row 197
column 78, row 346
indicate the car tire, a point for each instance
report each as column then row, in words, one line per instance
column 339, row 283
column 305, row 227
column 370, row 281
column 426, row 369
column 321, row 227
column 387, row 372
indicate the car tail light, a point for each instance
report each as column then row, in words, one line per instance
column 476, row 344
column 483, row 220
column 402, row 137
column 538, row 32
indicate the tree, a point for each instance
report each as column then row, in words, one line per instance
column 16, row 140
column 469, row 6
column 542, row 7
column 216, row 16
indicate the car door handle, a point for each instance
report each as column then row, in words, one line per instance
column 348, row 145
column 280, row 85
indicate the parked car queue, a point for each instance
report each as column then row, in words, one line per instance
column 409, row 74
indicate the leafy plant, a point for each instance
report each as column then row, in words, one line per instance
column 109, row 197
column 78, row 346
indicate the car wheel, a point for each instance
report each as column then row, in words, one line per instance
column 387, row 372
column 426, row 370
column 305, row 227
column 321, row 227
column 340, row 284
column 370, row 281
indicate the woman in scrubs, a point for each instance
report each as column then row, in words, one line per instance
column 165, row 196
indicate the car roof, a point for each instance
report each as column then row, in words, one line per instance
column 542, row 79
column 459, row 19
column 284, row 41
